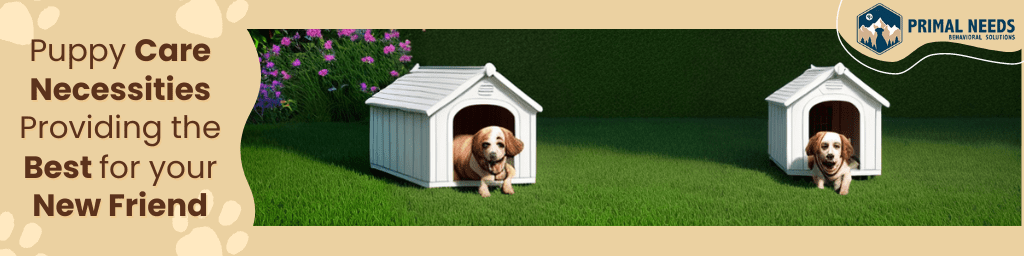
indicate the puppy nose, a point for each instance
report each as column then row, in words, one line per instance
column 829, row 156
column 494, row 154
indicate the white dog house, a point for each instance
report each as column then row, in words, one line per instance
column 413, row 122
column 825, row 99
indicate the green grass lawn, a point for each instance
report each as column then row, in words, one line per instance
column 647, row 172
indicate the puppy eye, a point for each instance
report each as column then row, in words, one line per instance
column 487, row 144
column 824, row 146
column 501, row 145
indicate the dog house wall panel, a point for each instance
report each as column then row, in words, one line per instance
column 412, row 122
column 397, row 143
column 790, row 121
column 433, row 154
column 443, row 148
column 533, row 147
column 777, row 133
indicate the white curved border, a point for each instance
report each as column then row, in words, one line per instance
column 915, row 63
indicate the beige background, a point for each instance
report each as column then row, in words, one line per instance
column 231, row 74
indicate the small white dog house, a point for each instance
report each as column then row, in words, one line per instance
column 413, row 122
column 825, row 99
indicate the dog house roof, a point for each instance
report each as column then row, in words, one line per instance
column 429, row 88
column 814, row 76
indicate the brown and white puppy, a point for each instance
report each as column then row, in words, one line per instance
column 829, row 157
column 483, row 156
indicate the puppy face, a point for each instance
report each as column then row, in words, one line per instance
column 829, row 149
column 491, row 145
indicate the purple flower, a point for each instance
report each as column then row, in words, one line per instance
column 266, row 55
column 296, row 36
column 407, row 46
column 362, row 86
column 276, row 49
column 314, row 33
column 296, row 63
column 368, row 59
column 286, row 75
column 261, row 59
column 323, row 72
column 373, row 89
column 327, row 45
column 329, row 57
column 345, row 32
column 389, row 36
column 273, row 73
column 263, row 86
column 275, row 84
column 270, row 64
column 353, row 38
column 369, row 37
column 393, row 73
column 278, row 94
column 264, row 93
column 405, row 58
column 389, row 49
column 286, row 41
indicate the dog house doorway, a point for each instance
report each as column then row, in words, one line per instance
column 471, row 119
column 836, row 116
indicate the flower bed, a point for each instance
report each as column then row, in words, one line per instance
column 318, row 75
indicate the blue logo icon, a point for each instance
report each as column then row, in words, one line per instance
column 879, row 28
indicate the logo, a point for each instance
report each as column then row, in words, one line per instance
column 878, row 28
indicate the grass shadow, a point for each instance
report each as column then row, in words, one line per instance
column 342, row 144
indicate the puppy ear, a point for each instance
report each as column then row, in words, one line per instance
column 813, row 143
column 847, row 148
column 512, row 144
column 478, row 139
column 812, row 148
column 810, row 162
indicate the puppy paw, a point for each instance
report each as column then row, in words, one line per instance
column 844, row 191
column 484, row 192
column 507, row 189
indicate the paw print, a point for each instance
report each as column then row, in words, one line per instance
column 16, row 22
column 202, row 17
column 204, row 240
column 29, row 235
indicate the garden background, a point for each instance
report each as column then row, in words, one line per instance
column 654, row 127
